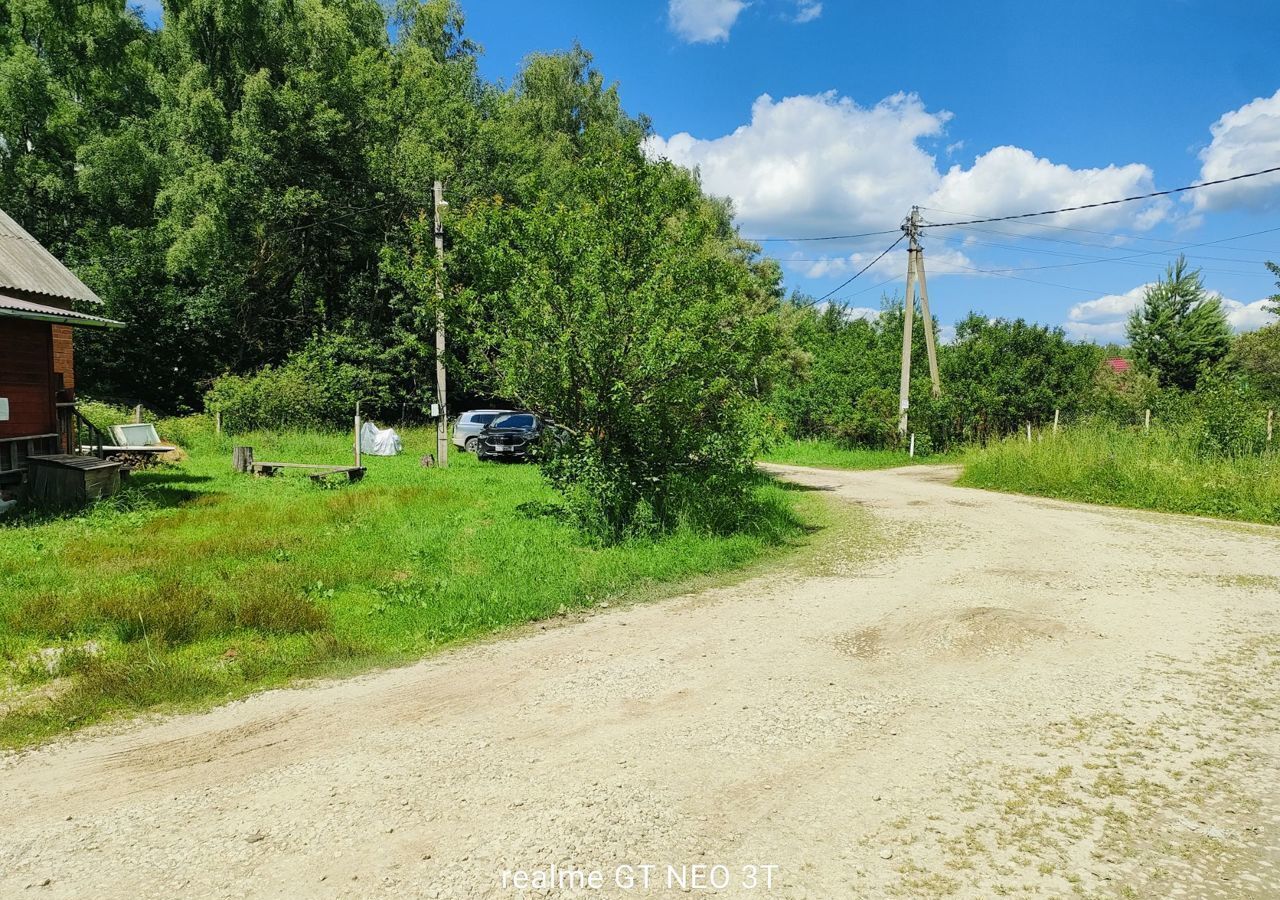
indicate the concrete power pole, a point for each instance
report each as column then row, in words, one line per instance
column 915, row 272
column 442, row 421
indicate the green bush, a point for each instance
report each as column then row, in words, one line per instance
column 317, row 387
column 1121, row 398
column 1226, row 418
column 103, row 415
column 186, row 431
column 634, row 317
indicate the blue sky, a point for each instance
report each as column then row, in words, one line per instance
column 834, row 117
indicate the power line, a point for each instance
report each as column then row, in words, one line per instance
column 1004, row 273
column 843, row 303
column 1114, row 247
column 1065, row 209
column 833, row 237
column 1090, row 262
column 1118, row 260
column 863, row 269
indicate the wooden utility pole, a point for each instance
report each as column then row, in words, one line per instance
column 915, row 272
column 908, row 312
column 442, row 421
column 358, row 425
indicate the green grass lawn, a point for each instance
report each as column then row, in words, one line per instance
column 1121, row 467
column 829, row 455
column 194, row 585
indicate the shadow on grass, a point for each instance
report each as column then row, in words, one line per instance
column 805, row 488
column 540, row 509
column 132, row 498
column 155, row 476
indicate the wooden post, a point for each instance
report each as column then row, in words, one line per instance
column 1028, row 432
column 1271, row 424
column 1056, row 413
column 442, row 394
column 242, row 459
column 1147, row 426
column 217, row 422
column 357, row 434
column 908, row 312
column 137, row 414
column 929, row 341
column 913, row 445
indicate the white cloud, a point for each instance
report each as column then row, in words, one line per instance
column 1244, row 140
column 704, row 21
column 1104, row 319
column 807, row 11
column 1010, row 179
column 822, row 164
column 817, row 164
column 1247, row 316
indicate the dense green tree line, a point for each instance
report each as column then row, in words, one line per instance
column 229, row 182
column 249, row 187
column 1000, row 375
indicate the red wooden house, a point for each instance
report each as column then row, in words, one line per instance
column 38, row 300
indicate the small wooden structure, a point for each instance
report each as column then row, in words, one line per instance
column 64, row 481
column 242, row 461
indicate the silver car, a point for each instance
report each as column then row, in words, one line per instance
column 470, row 424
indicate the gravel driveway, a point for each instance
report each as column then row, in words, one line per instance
column 1012, row 696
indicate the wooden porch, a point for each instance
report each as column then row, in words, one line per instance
column 76, row 435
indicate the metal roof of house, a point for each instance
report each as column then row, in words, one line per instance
column 26, row 266
column 14, row 307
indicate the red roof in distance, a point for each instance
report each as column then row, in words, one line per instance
column 1118, row 364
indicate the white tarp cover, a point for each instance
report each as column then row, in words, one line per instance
column 379, row 441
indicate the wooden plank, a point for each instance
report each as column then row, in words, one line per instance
column 153, row 449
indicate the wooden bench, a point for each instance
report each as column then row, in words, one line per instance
column 317, row 473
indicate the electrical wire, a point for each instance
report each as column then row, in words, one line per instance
column 1143, row 253
column 833, row 237
column 1065, row 209
column 860, row 271
column 1115, row 247
column 1120, row 261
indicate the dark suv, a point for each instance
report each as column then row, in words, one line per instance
column 511, row 436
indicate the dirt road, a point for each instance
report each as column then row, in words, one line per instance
column 1013, row 696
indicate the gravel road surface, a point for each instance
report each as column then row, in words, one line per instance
column 1011, row 696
